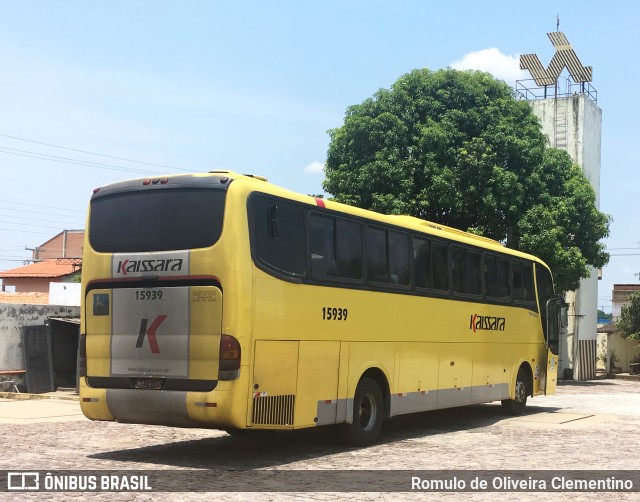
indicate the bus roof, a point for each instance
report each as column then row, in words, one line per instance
column 260, row 183
column 404, row 221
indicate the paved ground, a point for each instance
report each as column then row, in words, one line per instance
column 592, row 425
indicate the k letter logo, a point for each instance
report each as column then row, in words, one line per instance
column 150, row 333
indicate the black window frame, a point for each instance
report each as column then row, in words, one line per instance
column 504, row 299
column 516, row 298
column 336, row 221
column 466, row 253
column 437, row 245
column 274, row 231
column 388, row 282
column 108, row 206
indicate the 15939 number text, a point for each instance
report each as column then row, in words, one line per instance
column 334, row 314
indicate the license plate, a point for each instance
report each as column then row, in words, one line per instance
column 149, row 383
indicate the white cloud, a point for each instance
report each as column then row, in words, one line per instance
column 314, row 168
column 500, row 65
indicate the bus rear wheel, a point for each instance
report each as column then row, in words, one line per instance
column 517, row 406
column 368, row 414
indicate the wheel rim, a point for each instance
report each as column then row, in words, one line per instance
column 368, row 412
column 521, row 391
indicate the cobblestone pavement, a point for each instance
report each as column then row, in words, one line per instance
column 594, row 425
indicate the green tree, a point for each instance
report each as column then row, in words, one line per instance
column 457, row 148
column 629, row 322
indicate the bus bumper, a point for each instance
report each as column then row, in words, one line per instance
column 223, row 407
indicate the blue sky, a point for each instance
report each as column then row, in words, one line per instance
column 254, row 87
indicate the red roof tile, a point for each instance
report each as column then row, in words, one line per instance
column 47, row 268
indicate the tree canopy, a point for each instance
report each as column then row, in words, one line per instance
column 629, row 322
column 456, row 147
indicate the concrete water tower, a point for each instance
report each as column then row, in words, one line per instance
column 566, row 104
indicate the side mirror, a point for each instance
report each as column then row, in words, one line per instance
column 564, row 316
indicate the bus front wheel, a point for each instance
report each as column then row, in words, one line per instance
column 517, row 406
column 368, row 414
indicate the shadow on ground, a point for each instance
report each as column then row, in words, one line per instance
column 271, row 449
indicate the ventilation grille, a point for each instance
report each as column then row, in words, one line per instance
column 273, row 410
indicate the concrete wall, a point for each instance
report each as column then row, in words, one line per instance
column 625, row 351
column 65, row 293
column 582, row 119
column 13, row 317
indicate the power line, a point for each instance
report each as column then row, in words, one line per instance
column 2, row 257
column 28, row 224
column 23, row 231
column 76, row 162
column 91, row 153
column 89, row 162
column 39, row 205
column 20, row 212
column 36, row 219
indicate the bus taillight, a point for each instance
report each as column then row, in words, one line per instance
column 229, row 358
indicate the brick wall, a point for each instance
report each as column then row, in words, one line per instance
column 67, row 244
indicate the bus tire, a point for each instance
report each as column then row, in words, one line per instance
column 368, row 415
column 517, row 406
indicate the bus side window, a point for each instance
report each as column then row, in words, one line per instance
column 522, row 280
column 398, row 245
column 280, row 235
column 466, row 271
column 516, row 280
column 388, row 256
column 421, row 263
column 458, row 269
column 377, row 269
column 503, row 289
column 322, row 246
column 440, row 265
column 545, row 285
column 496, row 269
column 348, row 249
column 527, row 282
column 473, row 273
column 335, row 247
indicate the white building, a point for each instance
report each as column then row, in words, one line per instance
column 572, row 121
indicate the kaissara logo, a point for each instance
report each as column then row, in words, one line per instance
column 150, row 333
column 488, row 323
column 136, row 266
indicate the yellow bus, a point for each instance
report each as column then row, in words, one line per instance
column 221, row 300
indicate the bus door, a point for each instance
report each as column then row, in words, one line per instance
column 552, row 339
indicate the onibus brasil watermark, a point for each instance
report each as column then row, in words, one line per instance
column 326, row 480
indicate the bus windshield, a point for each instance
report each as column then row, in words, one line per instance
column 156, row 220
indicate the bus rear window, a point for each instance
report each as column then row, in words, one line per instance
column 156, row 220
